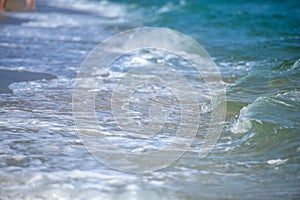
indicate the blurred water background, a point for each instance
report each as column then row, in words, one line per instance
column 255, row 44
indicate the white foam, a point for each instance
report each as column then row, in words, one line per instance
column 75, row 184
column 100, row 8
column 166, row 8
column 277, row 161
column 242, row 124
column 52, row 20
column 296, row 64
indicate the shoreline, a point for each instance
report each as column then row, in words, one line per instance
column 8, row 77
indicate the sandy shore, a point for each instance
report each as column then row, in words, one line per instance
column 10, row 76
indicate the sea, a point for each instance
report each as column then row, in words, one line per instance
column 256, row 48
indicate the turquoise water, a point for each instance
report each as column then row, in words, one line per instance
column 256, row 46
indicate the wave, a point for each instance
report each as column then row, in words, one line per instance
column 281, row 110
column 270, row 126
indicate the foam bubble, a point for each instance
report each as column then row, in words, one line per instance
column 277, row 161
column 242, row 124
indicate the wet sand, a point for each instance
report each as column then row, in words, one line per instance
column 8, row 77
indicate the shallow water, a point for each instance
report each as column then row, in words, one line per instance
column 256, row 47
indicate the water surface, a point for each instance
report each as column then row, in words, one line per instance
column 256, row 46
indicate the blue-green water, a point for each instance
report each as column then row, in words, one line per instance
column 256, row 46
